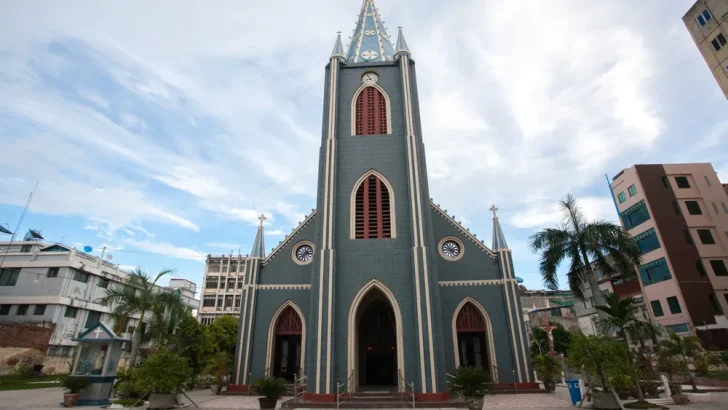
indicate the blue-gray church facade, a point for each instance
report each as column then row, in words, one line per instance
column 378, row 284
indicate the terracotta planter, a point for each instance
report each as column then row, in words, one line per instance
column 680, row 399
column 475, row 403
column 266, row 403
column 606, row 401
column 70, row 399
column 549, row 386
column 162, row 401
column 215, row 388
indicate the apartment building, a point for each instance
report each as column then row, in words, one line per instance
column 557, row 305
column 58, row 285
column 706, row 22
column 222, row 287
column 678, row 214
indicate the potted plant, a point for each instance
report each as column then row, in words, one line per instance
column 272, row 388
column 623, row 385
column 548, row 370
column 670, row 365
column 218, row 366
column 164, row 374
column 472, row 384
column 74, row 385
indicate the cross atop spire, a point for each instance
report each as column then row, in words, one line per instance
column 258, row 250
column 494, row 209
column 370, row 41
column 262, row 219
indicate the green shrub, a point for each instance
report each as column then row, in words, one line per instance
column 76, row 384
column 548, row 368
column 163, row 372
column 470, row 381
column 50, row 371
column 724, row 357
column 621, row 383
column 22, row 370
column 271, row 388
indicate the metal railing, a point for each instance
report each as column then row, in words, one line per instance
column 404, row 394
column 452, row 386
column 349, row 383
column 512, row 375
column 300, row 384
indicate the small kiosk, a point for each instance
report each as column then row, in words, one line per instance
column 97, row 358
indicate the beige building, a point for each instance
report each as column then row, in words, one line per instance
column 222, row 287
column 706, row 22
column 678, row 214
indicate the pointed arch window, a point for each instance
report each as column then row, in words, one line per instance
column 372, row 210
column 371, row 112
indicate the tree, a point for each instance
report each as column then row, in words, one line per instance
column 562, row 340
column 587, row 246
column 190, row 341
column 138, row 296
column 222, row 335
column 601, row 357
column 683, row 348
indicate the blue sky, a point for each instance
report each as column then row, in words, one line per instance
column 166, row 127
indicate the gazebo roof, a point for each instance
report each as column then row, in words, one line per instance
column 99, row 333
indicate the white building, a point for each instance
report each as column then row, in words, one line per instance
column 222, row 287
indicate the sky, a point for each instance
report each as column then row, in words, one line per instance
column 162, row 129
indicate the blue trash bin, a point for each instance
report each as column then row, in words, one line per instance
column 574, row 391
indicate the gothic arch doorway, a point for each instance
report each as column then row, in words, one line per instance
column 473, row 337
column 375, row 338
column 286, row 342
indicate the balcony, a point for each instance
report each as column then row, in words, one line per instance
column 628, row 288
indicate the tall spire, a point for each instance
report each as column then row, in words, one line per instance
column 370, row 41
column 499, row 240
column 401, row 43
column 259, row 242
column 338, row 48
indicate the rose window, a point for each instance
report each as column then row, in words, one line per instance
column 451, row 249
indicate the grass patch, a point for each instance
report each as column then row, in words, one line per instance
column 24, row 383
column 129, row 402
column 643, row 405
column 718, row 375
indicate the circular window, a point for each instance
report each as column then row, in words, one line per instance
column 451, row 248
column 303, row 253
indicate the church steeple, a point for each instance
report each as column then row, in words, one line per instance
column 401, row 43
column 258, row 250
column 370, row 41
column 499, row 240
column 338, row 48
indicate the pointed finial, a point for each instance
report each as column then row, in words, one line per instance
column 262, row 218
column 338, row 51
column 494, row 209
column 402, row 47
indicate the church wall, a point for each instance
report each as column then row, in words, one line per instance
column 282, row 269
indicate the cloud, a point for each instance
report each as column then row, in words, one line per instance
column 277, row 232
column 548, row 214
column 166, row 249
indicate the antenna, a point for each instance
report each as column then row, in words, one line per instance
column 20, row 221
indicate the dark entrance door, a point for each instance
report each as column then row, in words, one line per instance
column 470, row 326
column 377, row 343
column 287, row 349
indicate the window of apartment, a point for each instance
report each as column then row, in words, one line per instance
column 22, row 310
column 5, row 310
column 237, row 302
column 70, row 312
column 635, row 215
column 704, row 18
column 725, row 207
column 647, row 241
column 39, row 310
column 676, row 208
column 716, row 306
column 674, row 305
column 679, row 328
column 715, row 208
column 9, row 277
column 240, row 284
column 655, row 272
column 718, row 42
column 52, row 272
column 693, row 207
column 688, row 236
column 719, row 268
column 666, row 182
column 701, row 267
column 657, row 308
column 211, row 284
column 682, row 182
column 707, row 180
column 63, row 351
column 130, row 329
column 80, row 276
column 103, row 283
column 706, row 238
column 632, row 190
column 93, row 318
column 208, row 301
column 622, row 197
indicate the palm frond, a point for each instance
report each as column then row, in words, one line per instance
column 164, row 272
column 571, row 213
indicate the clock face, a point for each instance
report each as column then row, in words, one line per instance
column 370, row 77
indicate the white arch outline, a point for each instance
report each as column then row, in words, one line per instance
column 352, row 203
column 488, row 333
column 271, row 336
column 353, row 107
column 352, row 336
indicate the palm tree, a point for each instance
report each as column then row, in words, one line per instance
column 587, row 246
column 643, row 330
column 140, row 295
column 683, row 347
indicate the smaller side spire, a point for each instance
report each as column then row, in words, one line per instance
column 402, row 47
column 338, row 51
column 499, row 240
column 259, row 242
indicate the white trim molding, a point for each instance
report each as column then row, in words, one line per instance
column 457, row 241
column 462, row 229
column 294, row 286
column 488, row 335
column 353, row 107
column 272, row 333
column 352, row 203
column 471, row 282
column 352, row 356
column 285, row 241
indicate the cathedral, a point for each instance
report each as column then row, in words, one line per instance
column 378, row 284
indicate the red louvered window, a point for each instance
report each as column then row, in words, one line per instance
column 470, row 320
column 289, row 323
column 373, row 216
column 371, row 112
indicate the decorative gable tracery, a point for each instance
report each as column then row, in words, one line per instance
column 470, row 320
column 289, row 323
